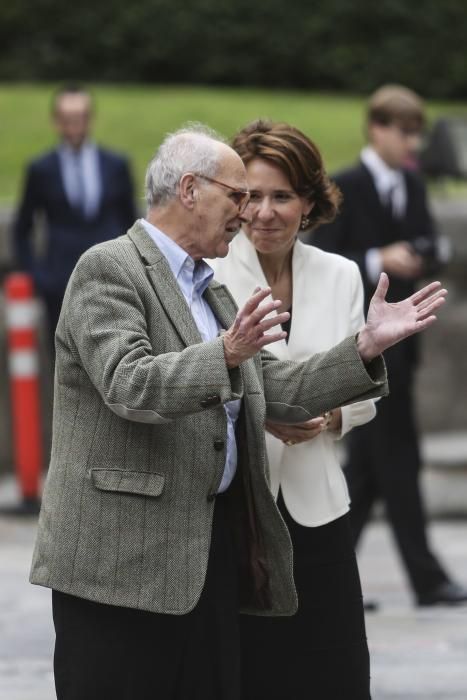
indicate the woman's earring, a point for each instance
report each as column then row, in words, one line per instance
column 305, row 222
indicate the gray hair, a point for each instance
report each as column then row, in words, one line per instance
column 190, row 149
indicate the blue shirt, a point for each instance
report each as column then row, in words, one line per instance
column 81, row 177
column 193, row 278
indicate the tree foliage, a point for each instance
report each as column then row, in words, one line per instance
column 351, row 45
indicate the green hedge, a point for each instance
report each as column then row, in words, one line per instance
column 350, row 45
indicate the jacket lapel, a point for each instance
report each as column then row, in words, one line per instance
column 105, row 178
column 371, row 193
column 57, row 177
column 250, row 275
column 225, row 309
column 386, row 231
column 305, row 293
column 165, row 285
column 221, row 303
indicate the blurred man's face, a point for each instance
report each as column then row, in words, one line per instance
column 396, row 145
column 72, row 118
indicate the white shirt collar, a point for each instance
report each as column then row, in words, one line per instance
column 389, row 182
column 179, row 260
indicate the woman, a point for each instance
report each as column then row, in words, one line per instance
column 321, row 652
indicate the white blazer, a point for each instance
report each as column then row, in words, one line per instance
column 327, row 306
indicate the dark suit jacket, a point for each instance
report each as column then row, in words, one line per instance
column 67, row 233
column 363, row 223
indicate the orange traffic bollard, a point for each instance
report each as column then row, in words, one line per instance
column 23, row 364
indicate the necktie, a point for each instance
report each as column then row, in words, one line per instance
column 80, row 190
column 388, row 201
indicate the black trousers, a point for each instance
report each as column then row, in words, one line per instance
column 103, row 652
column 383, row 464
column 321, row 652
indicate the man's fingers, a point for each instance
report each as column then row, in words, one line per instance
column 253, row 302
column 274, row 321
column 430, row 308
column 425, row 292
column 264, row 310
column 432, row 297
column 271, row 338
column 382, row 288
column 441, row 294
column 425, row 323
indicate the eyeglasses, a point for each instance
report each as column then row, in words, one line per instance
column 239, row 197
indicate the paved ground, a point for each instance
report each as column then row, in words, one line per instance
column 416, row 654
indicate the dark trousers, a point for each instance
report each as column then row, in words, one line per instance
column 103, row 652
column 383, row 464
column 320, row 652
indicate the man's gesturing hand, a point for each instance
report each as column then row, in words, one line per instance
column 247, row 336
column 387, row 323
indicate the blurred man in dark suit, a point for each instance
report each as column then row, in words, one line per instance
column 385, row 225
column 84, row 194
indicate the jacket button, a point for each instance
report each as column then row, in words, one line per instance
column 218, row 445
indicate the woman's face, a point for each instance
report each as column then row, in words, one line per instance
column 275, row 209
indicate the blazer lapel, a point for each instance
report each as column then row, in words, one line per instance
column 371, row 193
column 105, row 175
column 376, row 211
column 305, row 293
column 250, row 274
column 165, row 285
column 221, row 303
column 57, row 176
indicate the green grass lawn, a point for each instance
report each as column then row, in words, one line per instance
column 133, row 119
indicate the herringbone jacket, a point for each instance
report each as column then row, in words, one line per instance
column 139, row 433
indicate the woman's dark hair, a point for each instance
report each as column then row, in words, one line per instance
column 297, row 157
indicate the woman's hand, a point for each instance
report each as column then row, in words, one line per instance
column 302, row 432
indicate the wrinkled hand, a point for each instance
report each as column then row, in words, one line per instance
column 247, row 335
column 298, row 432
column 387, row 324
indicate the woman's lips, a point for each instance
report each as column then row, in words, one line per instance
column 266, row 230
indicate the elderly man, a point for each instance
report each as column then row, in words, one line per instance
column 157, row 521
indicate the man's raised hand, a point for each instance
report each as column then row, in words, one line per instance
column 387, row 323
column 247, row 335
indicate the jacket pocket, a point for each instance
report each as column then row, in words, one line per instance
column 126, row 481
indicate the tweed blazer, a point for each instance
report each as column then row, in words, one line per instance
column 139, row 434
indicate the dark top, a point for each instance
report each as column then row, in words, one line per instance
column 286, row 326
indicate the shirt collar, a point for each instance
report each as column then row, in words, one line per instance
column 386, row 178
column 178, row 259
column 66, row 150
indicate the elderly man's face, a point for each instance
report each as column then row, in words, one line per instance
column 217, row 211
